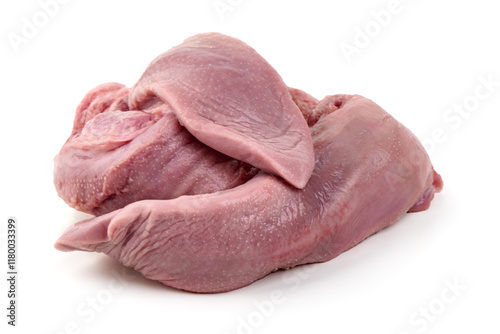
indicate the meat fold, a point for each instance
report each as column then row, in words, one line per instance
column 114, row 157
column 369, row 170
column 231, row 99
column 205, row 116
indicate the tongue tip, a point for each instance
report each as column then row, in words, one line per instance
column 64, row 247
column 84, row 234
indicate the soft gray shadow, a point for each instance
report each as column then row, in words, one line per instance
column 108, row 268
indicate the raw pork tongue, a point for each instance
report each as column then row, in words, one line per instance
column 369, row 171
column 115, row 157
column 230, row 98
column 128, row 145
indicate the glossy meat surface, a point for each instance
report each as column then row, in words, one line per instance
column 128, row 144
column 369, row 171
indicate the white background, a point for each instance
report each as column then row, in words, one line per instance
column 430, row 56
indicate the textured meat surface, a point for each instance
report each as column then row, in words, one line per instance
column 231, row 99
column 116, row 157
column 128, row 144
column 369, row 171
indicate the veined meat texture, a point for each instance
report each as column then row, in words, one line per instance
column 210, row 173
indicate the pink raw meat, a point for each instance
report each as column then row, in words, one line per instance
column 129, row 144
column 369, row 171
column 231, row 99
